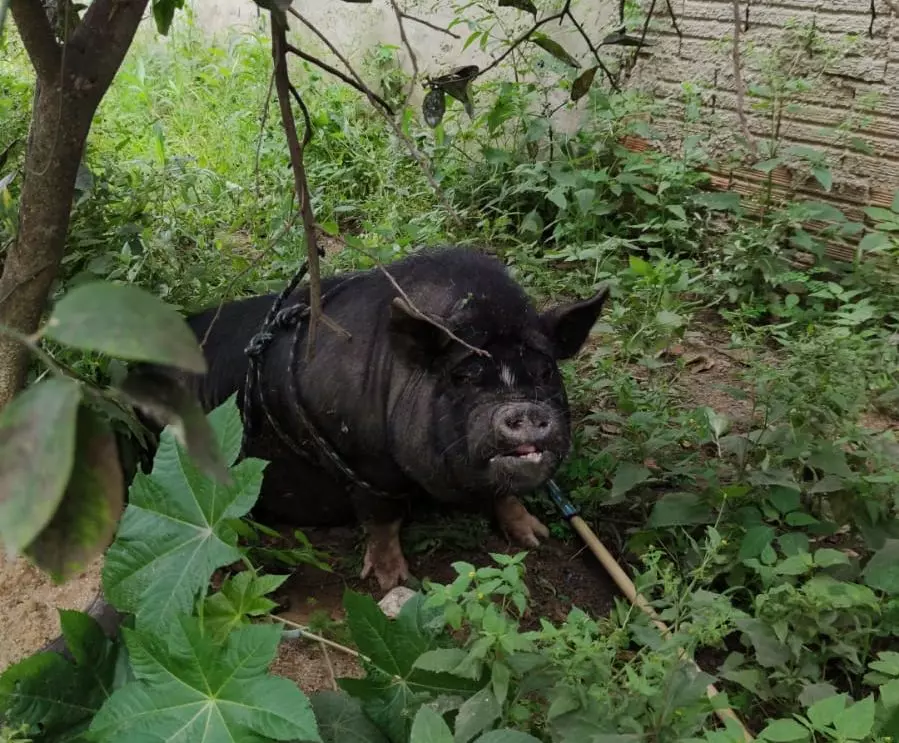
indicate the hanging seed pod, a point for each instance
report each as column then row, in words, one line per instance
column 433, row 107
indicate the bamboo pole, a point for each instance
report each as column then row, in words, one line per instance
column 627, row 587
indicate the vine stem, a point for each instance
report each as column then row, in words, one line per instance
column 304, row 632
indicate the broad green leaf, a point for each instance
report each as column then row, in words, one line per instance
column 164, row 13
column 85, row 522
column 857, row 722
column 37, row 452
column 341, row 719
column 241, row 596
column 879, row 214
column 554, row 48
column 824, row 177
column 526, row 5
column 784, row 731
column 627, row 476
column 170, row 403
column 669, row 319
column 638, row 265
column 766, row 166
column 894, row 207
column 441, row 660
column 679, row 509
column 873, row 241
column 718, row 200
column 476, row 715
column 585, row 198
column 393, row 688
column 785, row 500
column 888, row 663
column 770, row 652
column 125, row 321
column 429, row 727
column 882, row 570
column 781, row 478
column 507, row 736
column 821, row 210
column 827, row 558
column 557, row 196
column 828, row 484
column 581, row 86
column 532, row 224
column 823, row 713
column 190, row 688
column 175, row 531
column 754, row 541
column 796, row 565
column 60, row 696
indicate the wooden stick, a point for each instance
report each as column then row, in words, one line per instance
column 628, row 588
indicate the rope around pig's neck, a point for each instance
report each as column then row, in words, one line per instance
column 277, row 319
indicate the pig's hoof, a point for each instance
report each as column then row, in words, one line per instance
column 519, row 525
column 386, row 563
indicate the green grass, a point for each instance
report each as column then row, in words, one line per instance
column 753, row 524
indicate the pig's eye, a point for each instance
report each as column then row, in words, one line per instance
column 470, row 373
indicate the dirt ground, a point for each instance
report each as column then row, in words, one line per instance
column 28, row 605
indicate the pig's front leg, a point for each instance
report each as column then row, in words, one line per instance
column 381, row 519
column 517, row 523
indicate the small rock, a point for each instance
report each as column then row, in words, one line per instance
column 394, row 600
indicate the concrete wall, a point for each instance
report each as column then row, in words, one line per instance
column 840, row 96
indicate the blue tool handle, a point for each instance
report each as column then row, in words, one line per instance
column 562, row 503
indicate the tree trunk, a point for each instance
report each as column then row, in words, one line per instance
column 71, row 82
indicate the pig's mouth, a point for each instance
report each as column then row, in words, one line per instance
column 524, row 453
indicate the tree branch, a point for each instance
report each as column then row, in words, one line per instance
column 738, row 82
column 405, row 39
column 428, row 24
column 527, row 34
column 103, row 38
column 285, row 90
column 612, row 81
column 38, row 38
column 338, row 74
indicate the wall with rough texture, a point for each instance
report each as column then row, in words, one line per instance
column 837, row 109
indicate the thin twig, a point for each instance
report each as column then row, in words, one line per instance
column 337, row 73
column 526, row 35
column 405, row 39
column 265, row 108
column 397, row 130
column 612, row 81
column 738, row 81
column 430, row 25
column 409, row 303
column 318, row 638
column 645, row 29
column 330, row 666
column 673, row 19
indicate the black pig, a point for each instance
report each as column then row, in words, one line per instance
column 409, row 408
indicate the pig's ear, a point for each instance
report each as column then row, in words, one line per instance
column 568, row 325
column 412, row 335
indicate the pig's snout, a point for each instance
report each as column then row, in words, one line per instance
column 523, row 428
